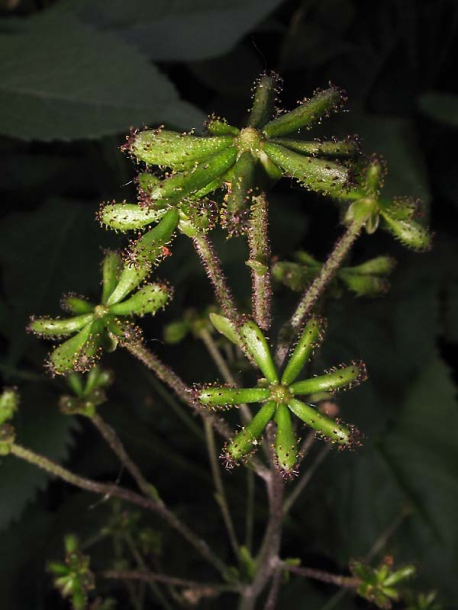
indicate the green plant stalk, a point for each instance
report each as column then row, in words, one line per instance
column 171, row 580
column 213, row 269
column 220, row 494
column 111, row 489
column 142, row 565
column 270, row 547
column 348, row 582
column 259, row 262
column 315, row 290
column 117, row 447
column 171, row 379
column 305, row 478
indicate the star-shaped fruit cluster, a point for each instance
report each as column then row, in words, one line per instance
column 242, row 161
column 97, row 327
column 279, row 394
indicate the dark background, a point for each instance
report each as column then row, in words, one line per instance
column 75, row 76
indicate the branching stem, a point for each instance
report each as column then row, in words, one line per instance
column 315, row 290
column 110, row 489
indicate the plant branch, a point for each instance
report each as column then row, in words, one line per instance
column 117, row 447
column 110, row 489
column 348, row 582
column 315, row 290
column 212, row 266
column 209, row 588
column 220, row 495
column 168, row 376
column 258, row 241
column 305, row 479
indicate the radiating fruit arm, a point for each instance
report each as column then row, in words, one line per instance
column 310, row 339
column 285, row 441
column 310, row 111
column 172, row 149
column 247, row 438
column 128, row 216
column 221, row 396
column 264, row 100
column 329, row 428
column 338, row 379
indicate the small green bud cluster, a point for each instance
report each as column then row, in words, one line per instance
column 124, row 295
column 367, row 279
column 88, row 392
column 400, row 216
column 381, row 585
column 73, row 577
column 278, row 394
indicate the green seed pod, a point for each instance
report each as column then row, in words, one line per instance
column 175, row 150
column 401, row 208
column 111, row 271
column 221, row 396
column 220, row 127
column 329, row 428
column 237, row 200
column 76, row 305
column 186, row 183
column 225, row 327
column 310, row 111
column 71, row 355
column 265, row 96
column 380, row 265
column 247, row 438
column 331, row 148
column 175, row 332
column 128, row 216
column 75, row 382
column 364, row 285
column 314, row 174
column 409, row 232
column 273, row 171
column 293, row 275
column 373, row 177
column 258, row 348
column 143, row 254
column 54, row 327
column 310, row 339
column 148, row 299
column 285, row 444
column 9, row 402
column 340, row 378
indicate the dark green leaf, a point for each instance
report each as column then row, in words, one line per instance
column 442, row 107
column 179, row 30
column 62, row 79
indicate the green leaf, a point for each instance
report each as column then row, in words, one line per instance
column 442, row 107
column 422, row 450
column 179, row 30
column 62, row 79
column 42, row 428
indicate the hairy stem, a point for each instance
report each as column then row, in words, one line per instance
column 168, row 376
column 212, row 266
column 348, row 582
column 209, row 588
column 258, row 241
column 142, row 565
column 305, row 478
column 110, row 489
column 267, row 558
column 315, row 290
column 220, row 495
column 117, row 447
